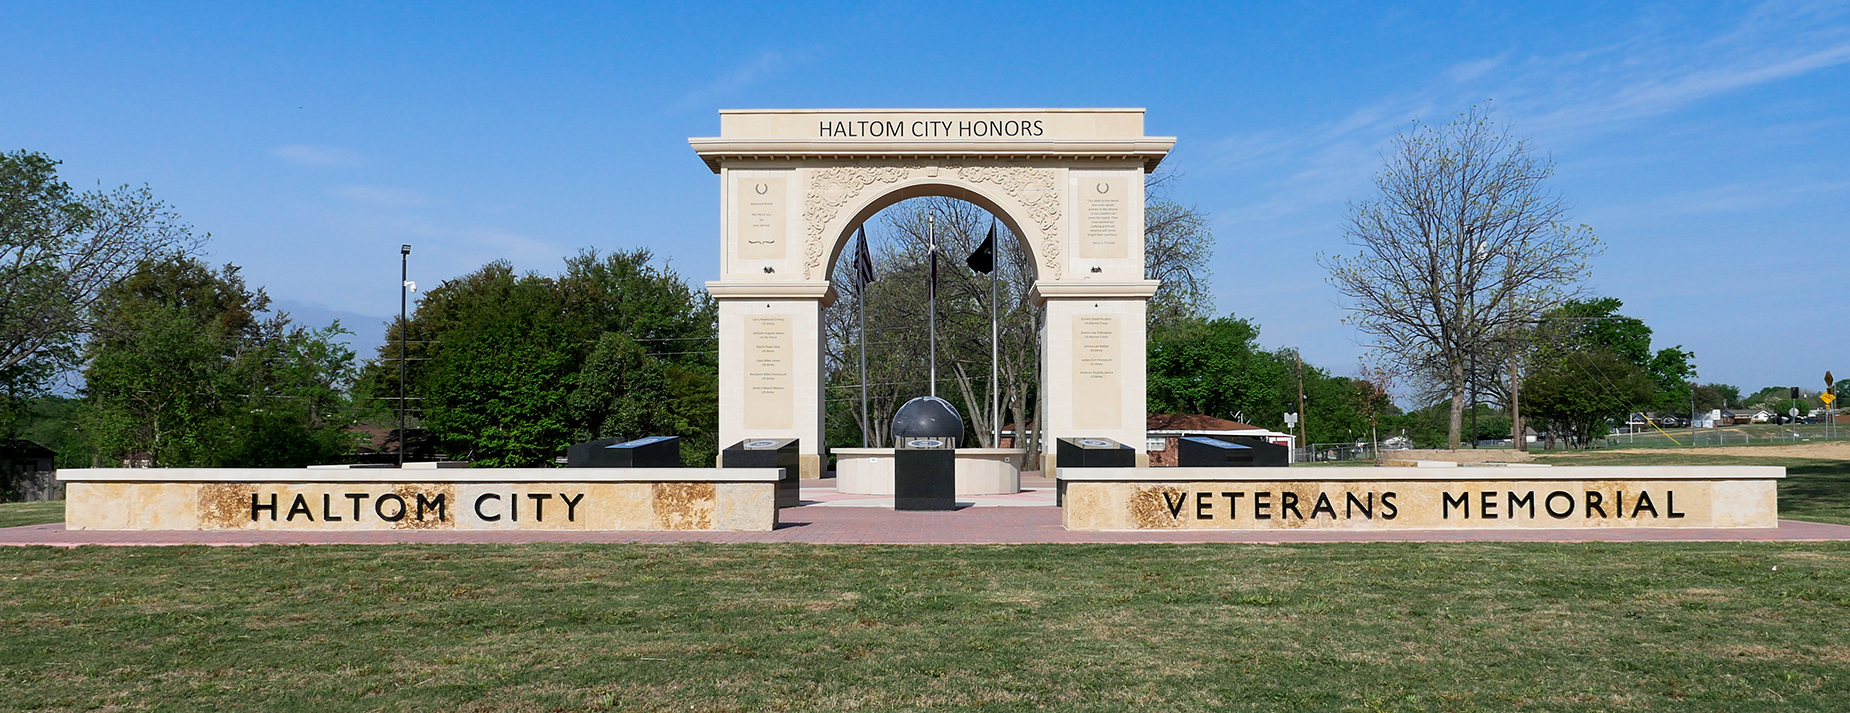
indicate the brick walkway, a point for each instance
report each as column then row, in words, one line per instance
column 869, row 525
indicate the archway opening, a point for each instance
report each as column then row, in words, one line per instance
column 897, row 334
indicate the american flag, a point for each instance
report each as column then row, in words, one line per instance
column 863, row 263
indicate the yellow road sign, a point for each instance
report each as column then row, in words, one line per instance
column 1827, row 398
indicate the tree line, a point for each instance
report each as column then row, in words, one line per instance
column 121, row 346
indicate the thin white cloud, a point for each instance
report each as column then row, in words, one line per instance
column 307, row 155
column 386, row 196
column 1467, row 71
column 1740, row 197
column 1572, row 96
column 751, row 71
column 482, row 243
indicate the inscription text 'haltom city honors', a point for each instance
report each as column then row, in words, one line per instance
column 930, row 129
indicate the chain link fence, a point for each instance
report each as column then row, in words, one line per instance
column 1763, row 434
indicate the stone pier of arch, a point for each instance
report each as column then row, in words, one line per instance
column 794, row 184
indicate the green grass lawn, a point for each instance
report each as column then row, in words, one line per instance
column 1815, row 489
column 1365, row 627
column 1593, row 627
column 16, row 514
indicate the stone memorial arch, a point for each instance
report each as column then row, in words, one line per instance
column 794, row 184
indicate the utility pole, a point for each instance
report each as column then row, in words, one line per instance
column 1519, row 436
column 404, row 299
column 1472, row 384
column 1303, row 421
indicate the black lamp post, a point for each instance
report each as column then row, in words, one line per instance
column 404, row 287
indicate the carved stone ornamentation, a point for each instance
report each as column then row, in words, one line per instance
column 831, row 189
column 1037, row 190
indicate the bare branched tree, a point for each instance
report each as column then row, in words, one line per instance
column 896, row 319
column 1177, row 244
column 1463, row 248
column 60, row 251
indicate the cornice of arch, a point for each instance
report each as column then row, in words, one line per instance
column 717, row 152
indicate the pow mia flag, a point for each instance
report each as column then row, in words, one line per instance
column 984, row 259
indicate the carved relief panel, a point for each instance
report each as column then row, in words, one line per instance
column 1034, row 192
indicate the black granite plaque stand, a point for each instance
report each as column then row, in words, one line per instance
column 651, row 452
column 924, row 479
column 1094, row 453
column 1205, row 452
column 1088, row 453
column 769, row 453
column 1266, row 454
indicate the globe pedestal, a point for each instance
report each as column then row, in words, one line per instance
column 979, row 471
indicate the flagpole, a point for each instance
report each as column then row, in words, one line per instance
column 995, row 394
column 931, row 241
column 861, row 303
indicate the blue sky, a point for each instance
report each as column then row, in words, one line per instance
column 1707, row 144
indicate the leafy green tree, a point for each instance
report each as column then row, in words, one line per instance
column 60, row 252
column 624, row 292
column 496, row 391
column 1769, row 397
column 1214, row 367
column 1580, row 393
column 185, row 369
column 510, row 369
column 1589, row 325
column 1717, row 396
column 299, row 405
column 1337, row 409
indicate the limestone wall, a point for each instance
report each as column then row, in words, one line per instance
column 513, row 499
column 1420, row 498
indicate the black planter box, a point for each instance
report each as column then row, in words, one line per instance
column 651, row 452
column 769, row 453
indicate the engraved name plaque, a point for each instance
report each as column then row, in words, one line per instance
column 1103, row 217
column 769, row 373
column 1098, row 385
column 761, row 218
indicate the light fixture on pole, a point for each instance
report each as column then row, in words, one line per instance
column 404, row 299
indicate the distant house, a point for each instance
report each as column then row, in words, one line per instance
column 1744, row 416
column 1162, row 430
column 30, row 471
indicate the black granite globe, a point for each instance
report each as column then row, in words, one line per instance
column 928, row 417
